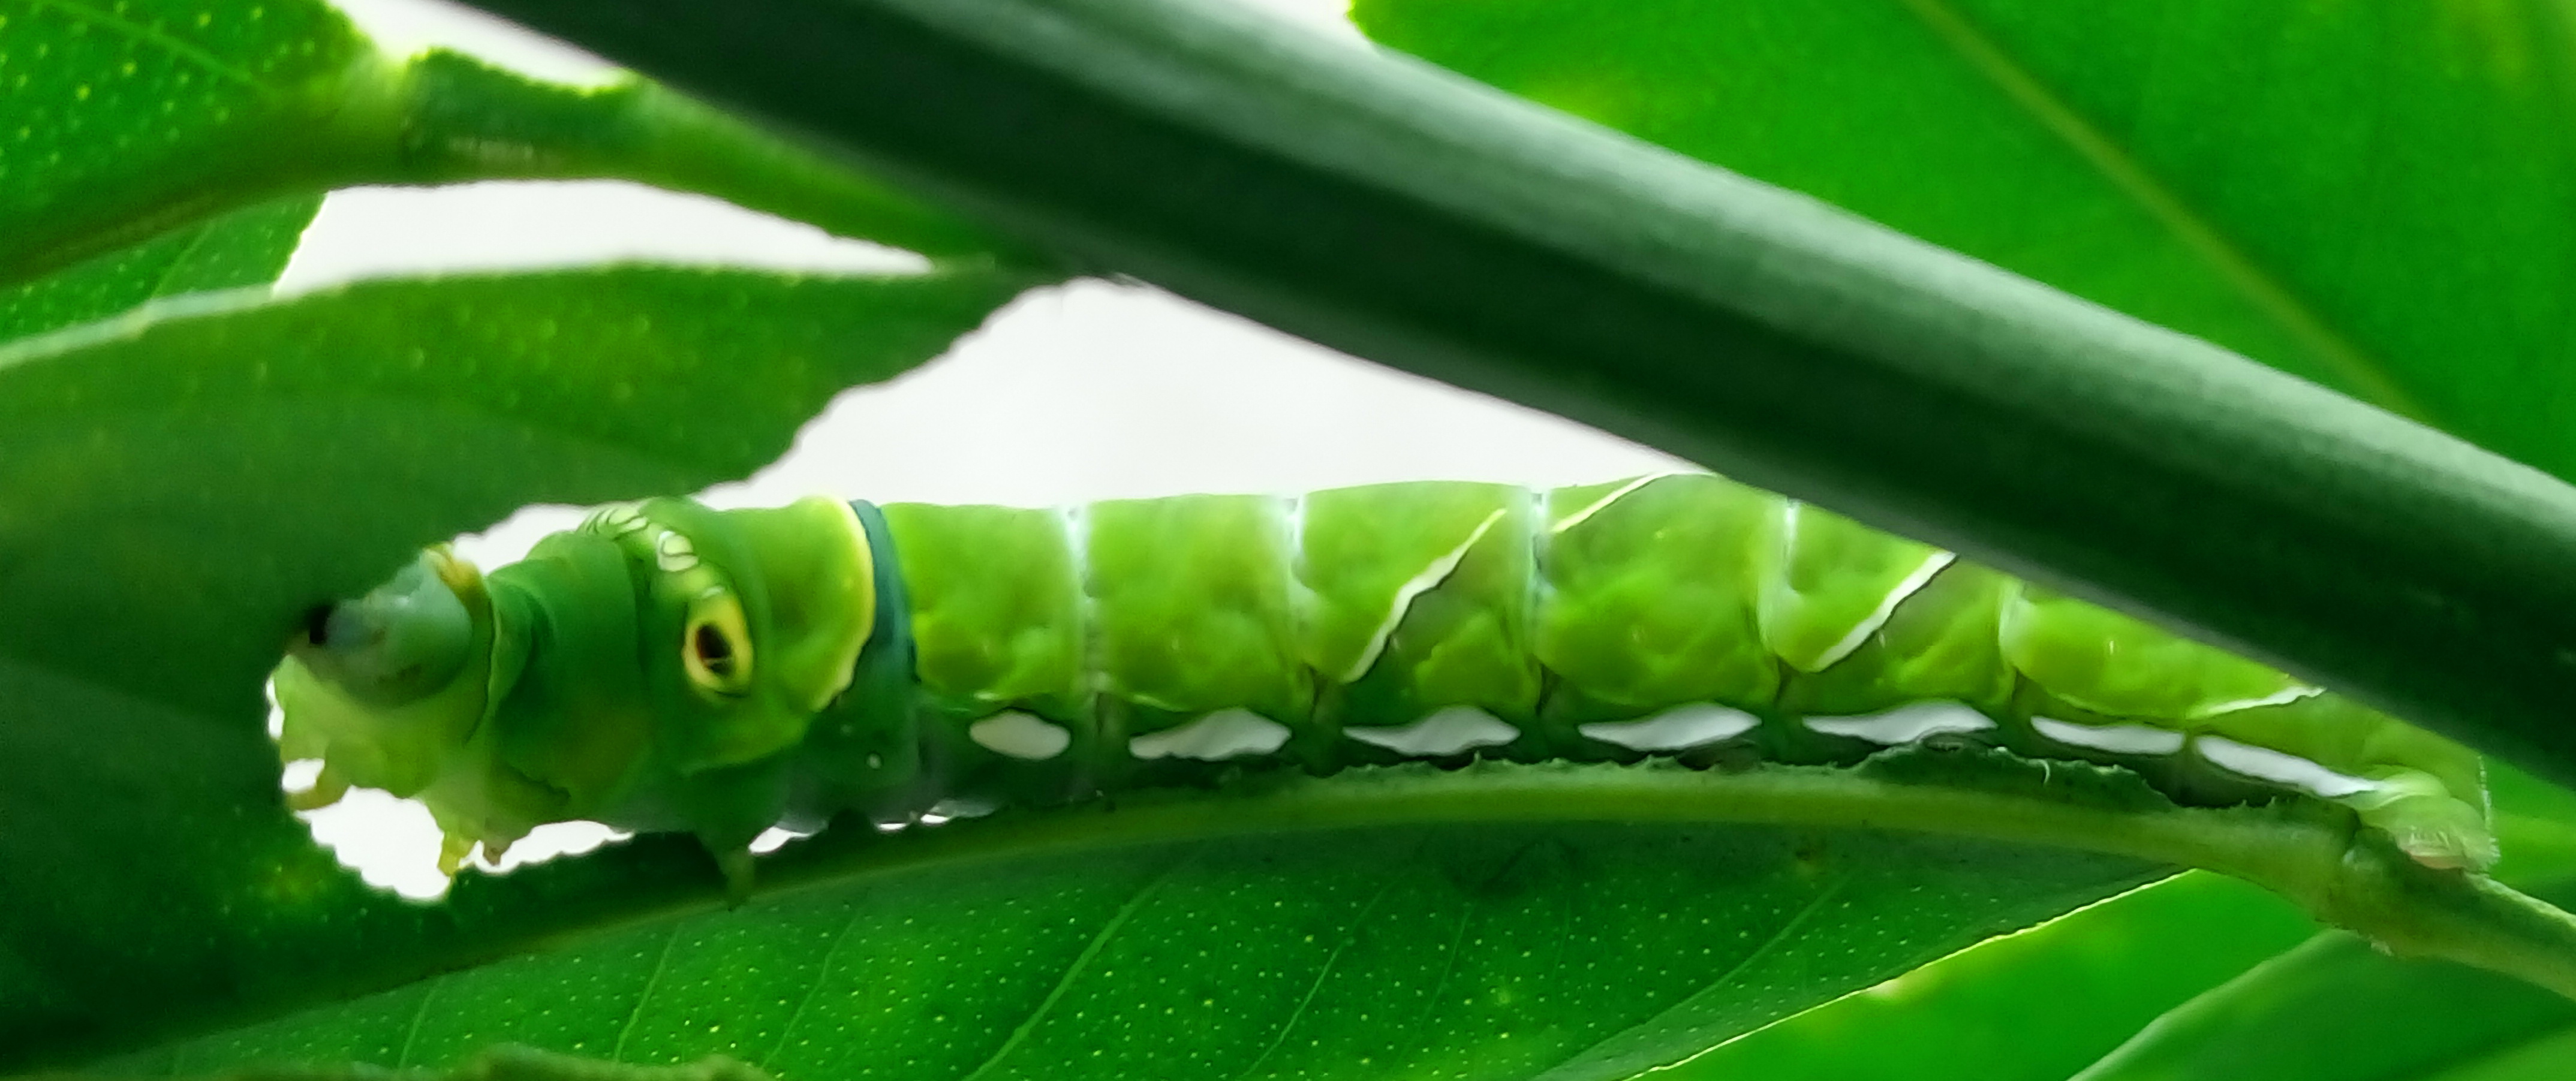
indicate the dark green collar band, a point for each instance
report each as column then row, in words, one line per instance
column 883, row 674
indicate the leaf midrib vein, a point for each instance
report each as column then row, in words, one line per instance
column 1779, row 935
column 2363, row 373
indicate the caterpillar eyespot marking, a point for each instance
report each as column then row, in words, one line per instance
column 913, row 663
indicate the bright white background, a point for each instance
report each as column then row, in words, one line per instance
column 1080, row 392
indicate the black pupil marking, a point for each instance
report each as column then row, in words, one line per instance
column 714, row 651
column 317, row 623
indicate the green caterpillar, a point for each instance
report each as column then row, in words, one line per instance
column 670, row 667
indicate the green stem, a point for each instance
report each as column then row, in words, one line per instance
column 464, row 120
column 445, row 118
column 1380, row 206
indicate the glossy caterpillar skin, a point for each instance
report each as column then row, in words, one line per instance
column 670, row 667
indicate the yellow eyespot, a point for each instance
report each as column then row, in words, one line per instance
column 716, row 646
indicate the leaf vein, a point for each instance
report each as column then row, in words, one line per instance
column 146, row 35
column 1358, row 924
column 1091, row 950
column 821, row 975
column 1769, row 945
column 2366, row 375
column 411, row 1032
column 660, row 962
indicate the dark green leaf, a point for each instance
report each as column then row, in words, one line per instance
column 2335, row 1010
column 1849, row 906
column 246, row 247
column 176, row 496
column 125, row 119
column 1569, row 952
column 2079, row 986
column 2535, row 826
column 2037, row 1006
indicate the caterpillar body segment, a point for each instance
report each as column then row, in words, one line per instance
column 670, row 667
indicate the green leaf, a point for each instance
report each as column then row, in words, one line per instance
column 2084, row 984
column 180, row 489
column 2072, row 988
column 2282, row 179
column 243, row 248
column 505, row 1063
column 2048, row 825
column 1370, row 203
column 129, row 118
column 2336, row 1009
column 2535, row 826
column 285, row 928
column 2541, row 1060
column 1486, row 952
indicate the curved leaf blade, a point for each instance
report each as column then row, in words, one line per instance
column 2072, row 988
column 244, row 248
column 319, row 946
column 2334, row 1008
column 1566, row 952
column 2083, row 985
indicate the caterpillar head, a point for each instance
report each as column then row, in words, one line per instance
column 747, row 621
column 656, row 643
column 386, row 686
